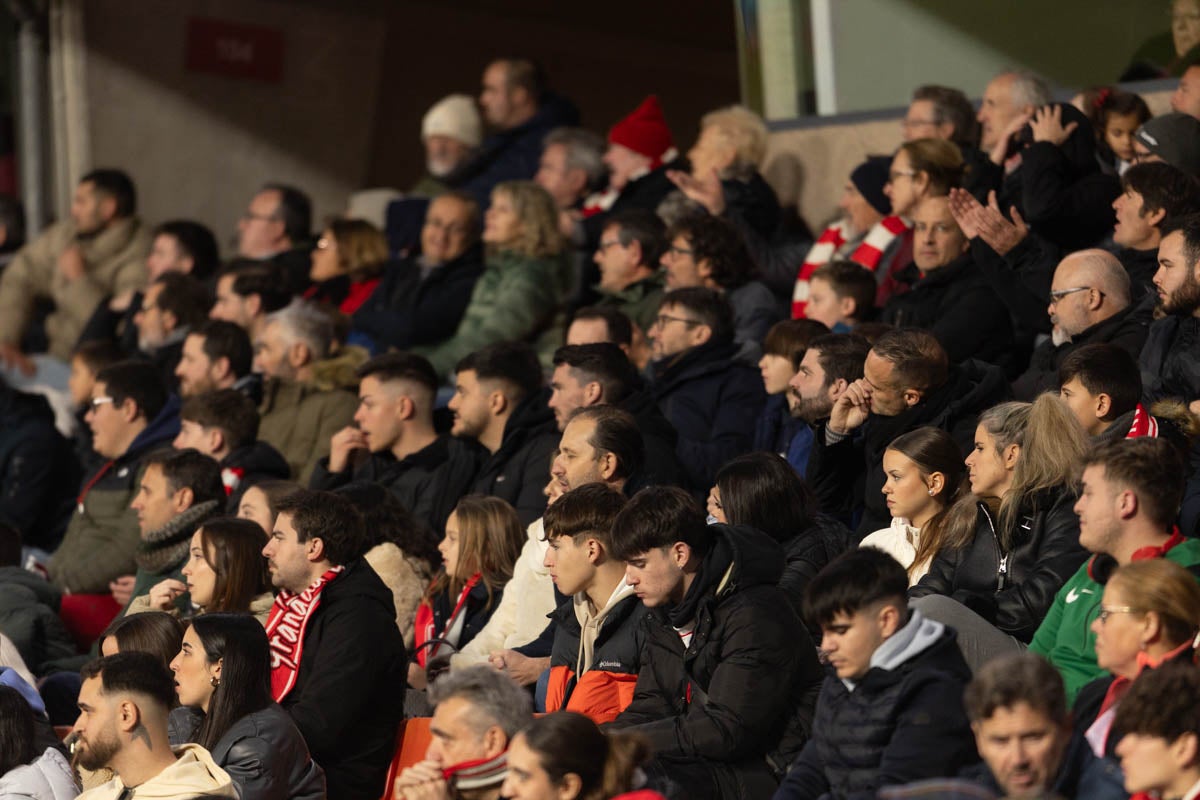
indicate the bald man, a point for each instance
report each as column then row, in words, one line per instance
column 1089, row 303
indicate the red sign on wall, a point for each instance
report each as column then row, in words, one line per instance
column 234, row 50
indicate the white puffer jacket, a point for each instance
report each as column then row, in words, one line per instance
column 48, row 778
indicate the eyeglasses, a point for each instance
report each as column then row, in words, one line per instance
column 1108, row 611
column 679, row 251
column 96, row 402
column 663, row 319
column 896, row 174
column 1057, row 296
column 324, row 243
column 603, row 246
column 250, row 216
column 908, row 124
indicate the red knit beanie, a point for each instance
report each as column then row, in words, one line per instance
column 644, row 131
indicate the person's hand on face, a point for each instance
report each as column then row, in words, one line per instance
column 852, row 408
column 422, row 781
column 164, row 594
column 1000, row 151
column 342, row 445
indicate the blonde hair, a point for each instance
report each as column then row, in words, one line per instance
column 539, row 235
column 940, row 159
column 490, row 538
column 362, row 248
column 1165, row 588
column 742, row 129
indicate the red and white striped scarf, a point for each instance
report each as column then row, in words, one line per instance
column 1144, row 424
column 869, row 254
column 603, row 201
column 286, row 625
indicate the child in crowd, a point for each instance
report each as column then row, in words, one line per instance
column 841, row 294
column 1115, row 115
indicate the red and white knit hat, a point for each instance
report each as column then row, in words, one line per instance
column 644, row 131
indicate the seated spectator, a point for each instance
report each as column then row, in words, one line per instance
column 1170, row 138
column 1170, row 364
column 1186, row 97
column 997, row 572
column 946, row 292
column 477, row 711
column 86, row 362
column 338, row 659
column 1168, row 52
column 605, row 324
column 709, row 253
column 347, row 264
column 217, row 355
column 1101, row 385
column 33, row 634
column 223, row 425
column 499, row 402
column 1158, row 750
column 422, row 298
column 866, row 234
column 1130, row 494
column 759, row 491
column 906, row 384
column 841, row 295
column 392, row 442
column 597, row 631
column 246, row 732
column 247, row 292
column 628, row 254
column 154, row 632
column 925, row 476
column 570, row 170
column 26, row 769
column 131, row 415
column 402, row 551
column 890, row 709
column 451, row 132
column 302, row 407
column 122, row 726
column 74, row 264
column 1115, row 116
column 276, row 229
column 482, row 543
column 524, row 286
column 830, row 364
column 712, row 400
column 783, row 350
column 1146, row 620
column 727, row 721
column 173, row 305
column 224, row 572
column 1150, row 195
column 940, row 112
column 260, row 504
column 1009, row 101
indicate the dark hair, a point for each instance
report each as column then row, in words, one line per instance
column 841, row 356
column 852, row 581
column 1163, row 188
column 134, row 672
column 185, row 297
column 233, row 549
column 1151, row 467
column 330, row 517
column 274, row 491
column 197, row 242
column 642, row 226
column 569, row 743
column 604, row 363
column 1018, row 678
column 791, row 337
column 1104, row 368
column 934, row 450
column 139, row 381
column 951, row 105
column 917, row 358
column 229, row 411
column 848, row 279
column 589, row 511
column 515, row 363
column 710, row 307
column 524, row 73
column 1162, row 703
column 295, row 209
column 227, row 340
column 239, row 642
column 657, row 517
column 10, row 545
column 98, row 354
column 1189, row 226
column 188, row 469
column 1101, row 102
column 263, row 278
column 716, row 241
column 401, row 367
column 872, row 330
column 616, row 431
column 16, row 730
column 620, row 327
column 154, row 632
column 387, row 520
column 763, row 491
column 115, row 184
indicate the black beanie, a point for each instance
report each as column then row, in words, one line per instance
column 869, row 178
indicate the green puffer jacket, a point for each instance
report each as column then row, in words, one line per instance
column 638, row 301
column 515, row 299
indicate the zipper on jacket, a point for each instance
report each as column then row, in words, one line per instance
column 1002, row 568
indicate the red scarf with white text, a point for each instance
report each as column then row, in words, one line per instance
column 286, row 625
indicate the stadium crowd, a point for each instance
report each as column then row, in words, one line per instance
column 588, row 450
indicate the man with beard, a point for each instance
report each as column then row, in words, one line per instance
column 173, row 305
column 217, row 355
column 1170, row 361
column 122, row 726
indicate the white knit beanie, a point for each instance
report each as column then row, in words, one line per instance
column 455, row 116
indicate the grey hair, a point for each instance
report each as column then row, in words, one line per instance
column 584, row 150
column 494, row 697
column 1104, row 270
column 1028, row 88
column 303, row 322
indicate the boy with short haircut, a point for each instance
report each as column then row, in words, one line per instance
column 1160, row 751
column 891, row 710
column 841, row 294
column 597, row 637
column 1101, row 384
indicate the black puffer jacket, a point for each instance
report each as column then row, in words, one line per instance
column 263, row 752
column 661, row 466
column 518, row 471
column 1170, row 360
column 744, row 690
column 1012, row 589
column 807, row 553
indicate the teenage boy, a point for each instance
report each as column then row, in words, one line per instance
column 841, row 294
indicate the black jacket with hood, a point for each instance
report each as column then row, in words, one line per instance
column 661, row 466
column 249, row 465
column 519, row 470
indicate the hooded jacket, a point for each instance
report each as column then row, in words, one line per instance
column 849, row 473
column 734, row 702
column 298, row 419
column 249, row 465
column 806, row 554
column 713, row 402
column 194, row 774
column 517, row 472
column 348, row 697
column 1012, row 588
column 102, row 537
column 902, row 721
column 29, row 618
column 48, row 777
